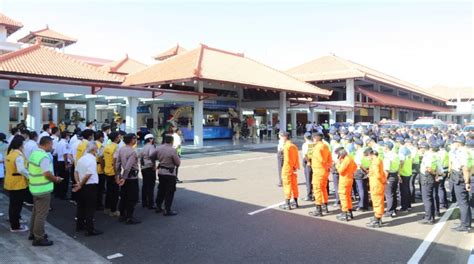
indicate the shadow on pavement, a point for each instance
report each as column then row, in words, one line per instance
column 209, row 180
column 211, row 229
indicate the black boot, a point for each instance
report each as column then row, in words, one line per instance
column 295, row 200
column 377, row 223
column 317, row 212
column 326, row 208
column 350, row 214
column 286, row 205
column 344, row 216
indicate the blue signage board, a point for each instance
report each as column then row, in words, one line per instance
column 208, row 133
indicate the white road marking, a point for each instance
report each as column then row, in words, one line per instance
column 223, row 162
column 116, row 255
column 420, row 252
column 266, row 208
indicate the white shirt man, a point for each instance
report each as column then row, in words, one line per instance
column 73, row 148
column 61, row 149
column 309, row 127
column 87, row 165
column 29, row 147
column 176, row 140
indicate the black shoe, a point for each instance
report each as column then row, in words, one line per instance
column 326, row 208
column 342, row 217
column 462, row 229
column 32, row 237
column 393, row 214
column 178, row 181
column 132, row 221
column 158, row 210
column 94, row 233
column 317, row 212
column 295, row 203
column 350, row 215
column 170, row 213
column 426, row 222
column 438, row 214
column 42, row 243
column 377, row 223
column 151, row 207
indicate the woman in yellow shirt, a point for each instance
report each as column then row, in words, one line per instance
column 16, row 182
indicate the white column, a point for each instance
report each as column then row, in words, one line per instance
column 293, row 123
column 310, row 116
column 198, row 116
column 332, row 117
column 350, row 94
column 376, row 113
column 131, row 115
column 61, row 110
column 55, row 115
column 5, row 113
column 90, row 110
column 282, row 111
column 34, row 120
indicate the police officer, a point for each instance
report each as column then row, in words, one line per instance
column 391, row 164
column 428, row 174
column 404, row 174
column 460, row 176
column 361, row 178
column 306, row 151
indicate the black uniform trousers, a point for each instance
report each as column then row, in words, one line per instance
column 416, row 171
column 462, row 196
column 100, row 191
column 86, row 202
column 308, row 174
column 148, row 187
column 405, row 192
column 61, row 188
column 443, row 196
column 112, row 193
column 427, row 195
column 391, row 192
column 74, row 195
column 128, row 198
column 363, row 190
column 16, row 204
column 166, row 190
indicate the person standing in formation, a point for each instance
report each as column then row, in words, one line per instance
column 148, row 167
column 288, row 175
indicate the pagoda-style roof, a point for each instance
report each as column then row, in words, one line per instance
column 124, row 66
column 170, row 53
column 49, row 38
column 210, row 64
column 10, row 24
column 44, row 62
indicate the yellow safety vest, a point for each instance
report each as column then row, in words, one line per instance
column 109, row 151
column 100, row 168
column 80, row 150
column 14, row 181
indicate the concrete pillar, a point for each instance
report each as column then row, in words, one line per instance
column 34, row 120
column 55, row 115
column 282, row 111
column 90, row 110
column 316, row 117
column 5, row 110
column 131, row 115
column 310, row 115
column 198, row 116
column 293, row 123
column 350, row 99
column 376, row 114
column 332, row 117
column 61, row 110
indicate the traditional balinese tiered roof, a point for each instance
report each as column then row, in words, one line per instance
column 453, row 92
column 124, row 66
column 45, row 62
column 48, row 37
column 170, row 53
column 335, row 68
column 211, row 64
column 10, row 24
column 94, row 61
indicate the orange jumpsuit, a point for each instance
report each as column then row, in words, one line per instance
column 377, row 182
column 346, row 170
column 321, row 162
column 290, row 165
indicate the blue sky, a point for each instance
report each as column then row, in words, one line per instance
column 422, row 42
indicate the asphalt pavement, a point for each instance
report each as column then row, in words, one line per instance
column 214, row 224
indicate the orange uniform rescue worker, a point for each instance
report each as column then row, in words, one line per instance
column 321, row 162
column 346, row 167
column 288, row 173
column 377, row 181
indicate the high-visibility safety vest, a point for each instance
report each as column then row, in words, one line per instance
column 407, row 168
column 39, row 184
column 14, row 181
column 109, row 151
column 80, row 150
column 394, row 163
column 365, row 161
